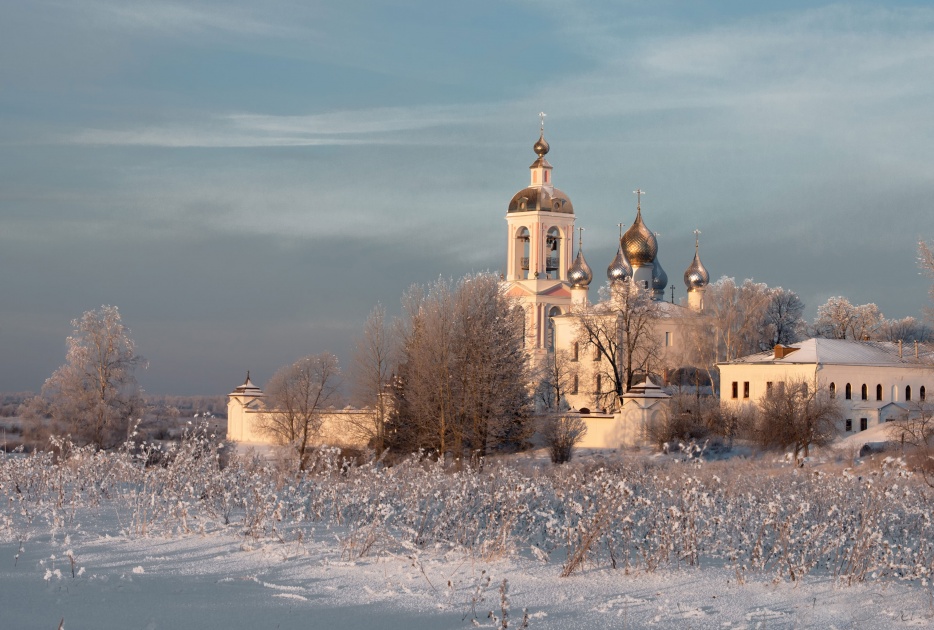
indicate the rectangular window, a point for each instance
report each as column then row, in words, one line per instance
column 863, row 424
column 745, row 389
column 735, row 389
column 768, row 389
column 849, row 425
column 575, row 351
column 668, row 339
column 596, row 352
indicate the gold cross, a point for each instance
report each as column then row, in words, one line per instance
column 638, row 192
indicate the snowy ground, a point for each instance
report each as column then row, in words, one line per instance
column 67, row 554
column 216, row 582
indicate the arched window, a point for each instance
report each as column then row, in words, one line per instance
column 907, row 392
column 921, row 393
column 574, row 384
column 865, row 392
column 599, row 383
column 849, row 392
column 833, row 390
column 554, row 311
column 575, row 351
column 879, row 391
column 523, row 239
column 553, row 253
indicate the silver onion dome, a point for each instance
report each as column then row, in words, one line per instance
column 696, row 276
column 619, row 270
column 580, row 275
column 639, row 243
column 659, row 277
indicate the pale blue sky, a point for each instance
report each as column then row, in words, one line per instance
column 245, row 181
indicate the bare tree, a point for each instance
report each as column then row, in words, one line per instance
column 738, row 315
column 838, row 318
column 95, row 394
column 463, row 374
column 372, row 374
column 782, row 321
column 797, row 415
column 554, row 379
column 297, row 395
column 915, row 430
column 561, row 434
column 621, row 328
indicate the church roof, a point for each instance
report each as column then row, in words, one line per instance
column 540, row 199
column 843, row 352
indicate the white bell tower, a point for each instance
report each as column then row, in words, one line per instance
column 539, row 249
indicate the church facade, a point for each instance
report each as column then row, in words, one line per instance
column 552, row 285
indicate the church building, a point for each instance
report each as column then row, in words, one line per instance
column 552, row 284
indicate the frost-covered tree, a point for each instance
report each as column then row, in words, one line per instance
column 737, row 313
column 838, row 318
column 463, row 379
column 371, row 374
column 926, row 263
column 782, row 321
column 904, row 329
column 94, row 395
column 296, row 396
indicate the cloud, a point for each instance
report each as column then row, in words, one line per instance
column 182, row 18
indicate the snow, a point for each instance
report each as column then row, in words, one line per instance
column 104, row 543
column 211, row 582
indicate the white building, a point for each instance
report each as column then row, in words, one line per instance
column 540, row 275
column 874, row 381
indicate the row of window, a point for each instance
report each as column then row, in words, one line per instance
column 864, row 392
column 848, row 391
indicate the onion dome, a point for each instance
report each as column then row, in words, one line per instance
column 541, row 147
column 580, row 275
column 639, row 243
column 659, row 277
column 696, row 276
column 619, row 270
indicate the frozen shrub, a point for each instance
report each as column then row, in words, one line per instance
column 561, row 434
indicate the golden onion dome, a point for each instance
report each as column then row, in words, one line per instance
column 619, row 270
column 639, row 243
column 659, row 277
column 696, row 276
column 541, row 147
column 580, row 275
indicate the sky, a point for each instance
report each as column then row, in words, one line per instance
column 246, row 181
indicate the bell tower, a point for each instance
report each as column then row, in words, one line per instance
column 539, row 249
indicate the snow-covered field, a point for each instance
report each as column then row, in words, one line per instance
column 103, row 541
